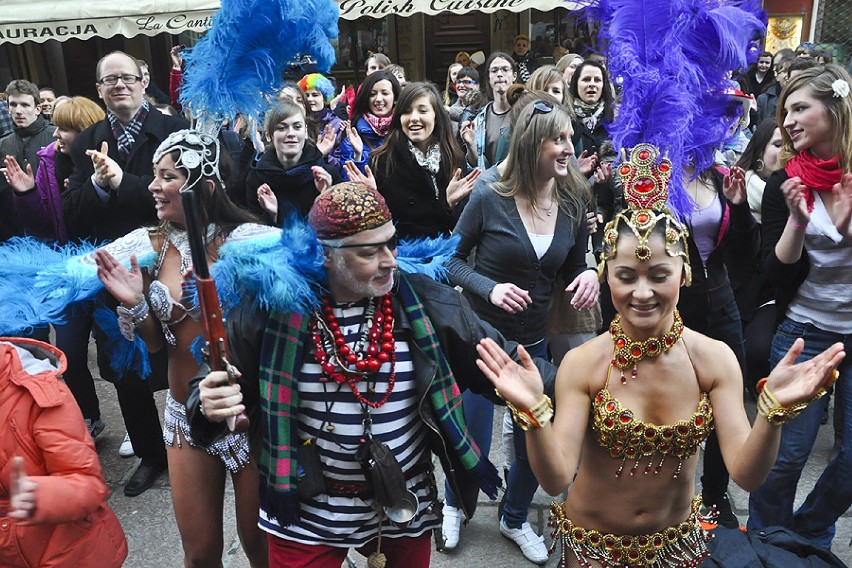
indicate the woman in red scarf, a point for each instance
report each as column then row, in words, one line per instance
column 372, row 113
column 807, row 251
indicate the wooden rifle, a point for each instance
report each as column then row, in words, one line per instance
column 215, row 352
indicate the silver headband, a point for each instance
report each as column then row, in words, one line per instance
column 194, row 149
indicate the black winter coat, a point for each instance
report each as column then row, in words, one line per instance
column 132, row 205
column 419, row 209
column 294, row 187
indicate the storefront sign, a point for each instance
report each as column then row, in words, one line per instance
column 127, row 26
column 354, row 9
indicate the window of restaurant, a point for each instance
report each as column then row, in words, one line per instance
column 554, row 29
column 357, row 40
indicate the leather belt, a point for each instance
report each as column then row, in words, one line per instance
column 362, row 489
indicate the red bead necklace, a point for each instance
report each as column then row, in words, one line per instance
column 337, row 358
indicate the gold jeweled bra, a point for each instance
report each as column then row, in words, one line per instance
column 625, row 437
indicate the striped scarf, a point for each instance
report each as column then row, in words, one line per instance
column 125, row 135
column 284, row 342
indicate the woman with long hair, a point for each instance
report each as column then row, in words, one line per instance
column 591, row 93
column 807, row 248
column 418, row 168
column 450, row 95
column 631, row 497
column 527, row 228
column 372, row 113
column 292, row 171
column 567, row 64
column 153, row 307
column 549, row 79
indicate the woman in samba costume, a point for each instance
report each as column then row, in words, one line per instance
column 151, row 307
column 636, row 403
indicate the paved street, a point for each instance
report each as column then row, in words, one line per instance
column 154, row 542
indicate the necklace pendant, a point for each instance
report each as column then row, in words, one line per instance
column 329, row 428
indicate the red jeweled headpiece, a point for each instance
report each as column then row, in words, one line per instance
column 645, row 181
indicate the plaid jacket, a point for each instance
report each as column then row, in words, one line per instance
column 458, row 329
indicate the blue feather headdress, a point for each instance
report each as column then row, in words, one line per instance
column 673, row 58
column 236, row 67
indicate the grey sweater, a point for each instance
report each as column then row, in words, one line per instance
column 504, row 253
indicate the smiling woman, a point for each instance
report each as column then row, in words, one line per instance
column 292, row 171
column 807, row 247
column 417, row 169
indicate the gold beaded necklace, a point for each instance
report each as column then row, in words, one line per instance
column 628, row 352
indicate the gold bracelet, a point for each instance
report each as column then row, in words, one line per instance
column 535, row 417
column 777, row 415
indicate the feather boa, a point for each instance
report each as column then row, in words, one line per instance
column 279, row 272
column 672, row 58
column 236, row 67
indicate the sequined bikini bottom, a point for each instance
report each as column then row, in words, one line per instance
column 684, row 544
column 233, row 449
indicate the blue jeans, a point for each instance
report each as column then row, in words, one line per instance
column 772, row 503
column 521, row 484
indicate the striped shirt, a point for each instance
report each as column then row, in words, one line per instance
column 351, row 521
column 824, row 299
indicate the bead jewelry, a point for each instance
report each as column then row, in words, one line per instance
column 628, row 352
column 130, row 319
column 347, row 365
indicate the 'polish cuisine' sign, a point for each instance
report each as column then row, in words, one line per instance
column 353, row 9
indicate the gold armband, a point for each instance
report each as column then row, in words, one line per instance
column 535, row 417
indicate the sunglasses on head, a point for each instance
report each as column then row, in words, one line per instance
column 391, row 243
column 539, row 107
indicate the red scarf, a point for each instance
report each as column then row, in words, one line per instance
column 815, row 173
column 379, row 124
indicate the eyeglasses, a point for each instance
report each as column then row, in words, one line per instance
column 111, row 80
column 539, row 107
column 391, row 243
column 500, row 70
column 468, row 82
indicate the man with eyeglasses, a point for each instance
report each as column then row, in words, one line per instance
column 383, row 357
column 481, row 135
column 107, row 198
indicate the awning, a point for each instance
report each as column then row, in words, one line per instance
column 41, row 20
column 84, row 19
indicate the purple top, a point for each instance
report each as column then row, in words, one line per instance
column 40, row 210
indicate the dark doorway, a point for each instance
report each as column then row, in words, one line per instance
column 446, row 34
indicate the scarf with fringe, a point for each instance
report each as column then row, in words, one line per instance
column 284, row 343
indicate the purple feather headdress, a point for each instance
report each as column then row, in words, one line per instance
column 672, row 59
column 236, row 67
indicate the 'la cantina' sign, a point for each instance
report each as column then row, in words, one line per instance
column 353, row 9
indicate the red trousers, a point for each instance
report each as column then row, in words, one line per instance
column 404, row 552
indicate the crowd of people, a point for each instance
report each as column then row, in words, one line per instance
column 357, row 359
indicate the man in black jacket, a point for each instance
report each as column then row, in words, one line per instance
column 107, row 198
column 381, row 363
column 31, row 133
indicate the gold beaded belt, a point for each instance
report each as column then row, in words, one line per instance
column 684, row 544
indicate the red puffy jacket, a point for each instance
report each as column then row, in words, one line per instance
column 40, row 421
